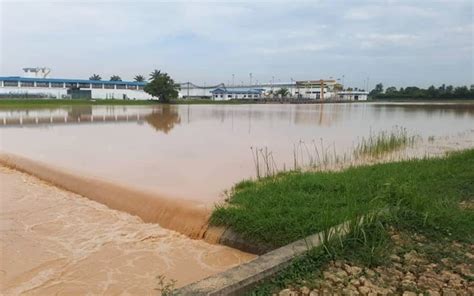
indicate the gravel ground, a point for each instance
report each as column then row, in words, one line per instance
column 417, row 266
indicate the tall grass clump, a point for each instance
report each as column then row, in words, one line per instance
column 379, row 144
column 264, row 163
column 317, row 155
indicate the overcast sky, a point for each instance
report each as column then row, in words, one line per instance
column 398, row 43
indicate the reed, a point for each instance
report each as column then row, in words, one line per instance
column 264, row 162
column 319, row 156
column 379, row 144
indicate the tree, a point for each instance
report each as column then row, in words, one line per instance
column 432, row 92
column 95, row 77
column 139, row 78
column 449, row 89
column 442, row 89
column 377, row 90
column 391, row 90
column 162, row 86
column 115, row 78
column 461, row 92
column 155, row 74
column 283, row 92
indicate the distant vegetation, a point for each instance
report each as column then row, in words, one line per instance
column 115, row 78
column 162, row 86
column 430, row 93
column 139, row 78
column 95, row 77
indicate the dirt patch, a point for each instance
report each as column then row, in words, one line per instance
column 417, row 266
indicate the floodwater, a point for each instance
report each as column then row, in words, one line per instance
column 56, row 242
column 195, row 152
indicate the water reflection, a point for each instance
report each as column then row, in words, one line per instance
column 164, row 119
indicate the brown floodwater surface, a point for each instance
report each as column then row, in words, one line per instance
column 144, row 161
column 53, row 242
column 196, row 152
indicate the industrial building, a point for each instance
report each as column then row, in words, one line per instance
column 36, row 84
column 223, row 93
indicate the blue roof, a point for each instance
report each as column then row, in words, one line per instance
column 60, row 80
column 237, row 90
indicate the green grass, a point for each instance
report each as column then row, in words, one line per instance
column 417, row 194
column 367, row 244
column 377, row 145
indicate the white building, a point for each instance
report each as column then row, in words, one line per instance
column 223, row 93
column 38, row 85
column 17, row 87
column 353, row 95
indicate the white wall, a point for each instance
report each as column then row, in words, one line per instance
column 97, row 93
column 353, row 96
column 51, row 92
column 226, row 97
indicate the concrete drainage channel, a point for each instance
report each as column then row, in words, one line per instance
column 242, row 278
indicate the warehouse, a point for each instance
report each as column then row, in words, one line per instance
column 223, row 93
column 36, row 84
column 32, row 87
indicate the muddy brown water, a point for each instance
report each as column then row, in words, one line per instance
column 173, row 153
column 196, row 152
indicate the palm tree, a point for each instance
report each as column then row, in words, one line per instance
column 155, row 74
column 283, row 92
column 95, row 77
column 139, row 78
column 115, row 78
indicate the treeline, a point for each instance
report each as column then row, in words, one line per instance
column 430, row 93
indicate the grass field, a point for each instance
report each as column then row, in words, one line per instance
column 289, row 206
column 432, row 197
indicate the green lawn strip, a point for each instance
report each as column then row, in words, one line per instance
column 420, row 193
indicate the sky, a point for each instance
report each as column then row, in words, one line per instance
column 399, row 43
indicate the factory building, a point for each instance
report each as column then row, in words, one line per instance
column 223, row 93
column 36, row 84
column 23, row 87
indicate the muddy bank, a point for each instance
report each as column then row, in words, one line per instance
column 187, row 217
column 57, row 242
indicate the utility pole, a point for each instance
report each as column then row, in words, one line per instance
column 250, row 75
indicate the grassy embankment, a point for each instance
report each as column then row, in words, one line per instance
column 422, row 196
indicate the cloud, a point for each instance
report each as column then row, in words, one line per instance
column 209, row 41
column 386, row 40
